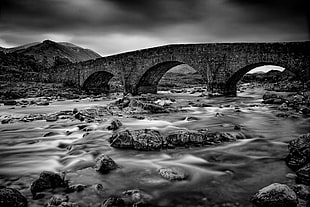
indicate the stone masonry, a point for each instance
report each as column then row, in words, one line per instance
column 222, row 65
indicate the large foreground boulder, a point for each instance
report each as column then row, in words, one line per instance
column 142, row 139
column 299, row 152
column 105, row 164
column 9, row 197
column 47, row 180
column 275, row 195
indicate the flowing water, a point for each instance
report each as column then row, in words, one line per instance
column 229, row 172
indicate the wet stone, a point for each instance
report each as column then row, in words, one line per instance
column 303, row 175
column 299, row 152
column 113, row 202
column 275, row 195
column 173, row 174
column 47, row 180
column 104, row 164
column 302, row 191
column 56, row 200
column 115, row 124
column 10, row 197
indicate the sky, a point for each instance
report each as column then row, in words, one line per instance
column 115, row 26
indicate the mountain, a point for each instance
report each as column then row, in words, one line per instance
column 183, row 69
column 49, row 53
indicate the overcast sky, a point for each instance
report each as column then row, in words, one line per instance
column 114, row 26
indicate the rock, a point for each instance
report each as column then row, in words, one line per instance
column 237, row 127
column 299, row 152
column 77, row 188
column 185, row 137
column 51, row 118
column 44, row 103
column 275, row 195
column 113, row 202
column 173, row 173
column 9, row 102
column 104, row 164
column 75, row 110
column 9, row 197
column 302, row 191
column 303, row 175
column 56, row 200
column 50, row 134
column 135, row 197
column 68, row 204
column 142, row 139
column 47, row 180
column 305, row 110
column 99, row 187
column 115, row 124
column 283, row 107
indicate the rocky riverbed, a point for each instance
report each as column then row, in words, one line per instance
column 179, row 148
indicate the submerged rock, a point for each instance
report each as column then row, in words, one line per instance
column 173, row 173
column 275, row 195
column 47, row 180
column 105, row 164
column 299, row 152
column 9, row 197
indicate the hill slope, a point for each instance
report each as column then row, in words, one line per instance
column 49, row 53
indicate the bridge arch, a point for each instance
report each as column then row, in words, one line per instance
column 98, row 82
column 230, row 88
column 149, row 81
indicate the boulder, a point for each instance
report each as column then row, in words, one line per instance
column 303, row 175
column 104, row 164
column 47, row 180
column 115, row 125
column 275, row 195
column 142, row 139
column 173, row 173
column 10, row 197
column 9, row 102
column 299, row 152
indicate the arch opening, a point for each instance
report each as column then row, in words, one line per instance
column 98, row 82
column 164, row 76
column 259, row 72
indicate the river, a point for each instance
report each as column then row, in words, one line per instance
column 230, row 172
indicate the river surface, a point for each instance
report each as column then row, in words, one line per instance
column 230, row 172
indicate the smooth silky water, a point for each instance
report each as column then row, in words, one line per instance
column 229, row 172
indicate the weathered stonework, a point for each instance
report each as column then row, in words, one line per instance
column 222, row 65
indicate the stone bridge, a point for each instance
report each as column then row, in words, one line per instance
column 221, row 65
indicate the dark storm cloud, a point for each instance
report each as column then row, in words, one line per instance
column 118, row 25
column 68, row 14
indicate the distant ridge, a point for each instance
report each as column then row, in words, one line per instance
column 48, row 52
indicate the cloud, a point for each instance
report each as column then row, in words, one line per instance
column 121, row 25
